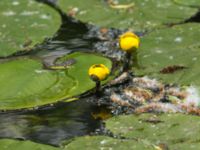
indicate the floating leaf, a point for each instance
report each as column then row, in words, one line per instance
column 170, row 129
column 186, row 146
column 8, row 144
column 141, row 16
column 26, row 84
column 193, row 3
column 175, row 46
column 103, row 142
column 80, row 71
column 24, row 24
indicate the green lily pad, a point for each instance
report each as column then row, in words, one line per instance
column 91, row 143
column 26, row 84
column 106, row 143
column 164, row 128
column 193, row 3
column 144, row 15
column 80, row 71
column 185, row 146
column 177, row 46
column 25, row 24
column 8, row 144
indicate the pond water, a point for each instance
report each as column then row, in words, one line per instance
column 52, row 124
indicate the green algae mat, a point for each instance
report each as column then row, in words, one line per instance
column 26, row 84
column 24, row 24
column 143, row 15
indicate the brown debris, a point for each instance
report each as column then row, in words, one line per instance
column 114, row 5
column 172, row 69
column 162, row 146
column 103, row 34
column 138, row 94
column 169, row 108
column 158, row 107
column 104, row 30
column 190, row 109
column 147, row 83
column 73, row 12
column 147, row 108
column 124, row 76
column 118, row 100
column 153, row 120
column 157, row 89
column 154, row 96
column 174, row 91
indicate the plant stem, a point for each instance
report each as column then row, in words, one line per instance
column 98, row 88
column 127, row 62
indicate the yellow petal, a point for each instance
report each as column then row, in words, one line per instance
column 99, row 70
column 129, row 42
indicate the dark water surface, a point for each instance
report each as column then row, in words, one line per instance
column 51, row 125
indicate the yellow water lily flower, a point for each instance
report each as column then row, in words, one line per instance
column 129, row 41
column 98, row 72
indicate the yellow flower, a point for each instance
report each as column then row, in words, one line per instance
column 98, row 72
column 129, row 41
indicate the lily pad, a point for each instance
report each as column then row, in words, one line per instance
column 79, row 71
column 25, row 24
column 8, row 144
column 26, row 84
column 142, row 16
column 106, row 143
column 193, row 3
column 170, row 129
column 176, row 49
column 185, row 146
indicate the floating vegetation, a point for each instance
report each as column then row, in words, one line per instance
column 43, row 86
column 149, row 95
column 171, row 55
column 25, row 24
column 191, row 3
column 168, row 130
column 8, row 144
column 136, row 16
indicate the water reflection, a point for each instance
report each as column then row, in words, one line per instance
column 51, row 125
